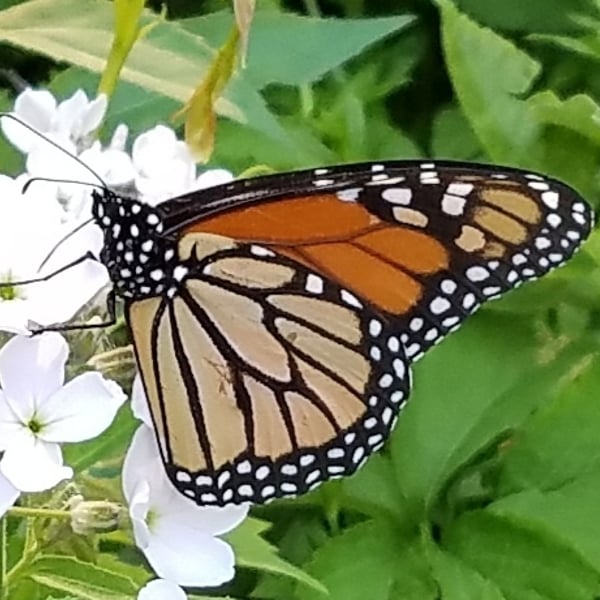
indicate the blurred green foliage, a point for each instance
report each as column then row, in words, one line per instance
column 490, row 485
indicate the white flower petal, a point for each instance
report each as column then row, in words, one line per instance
column 93, row 115
column 147, row 147
column 138, row 511
column 139, row 402
column 69, row 114
column 142, row 461
column 34, row 107
column 119, row 137
column 190, row 561
column 82, row 409
column 32, row 368
column 8, row 495
column 45, row 160
column 161, row 589
column 35, row 467
column 164, row 164
column 14, row 316
column 113, row 166
column 213, row 177
column 59, row 299
column 13, row 431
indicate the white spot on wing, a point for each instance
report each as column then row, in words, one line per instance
column 314, row 284
column 397, row 195
column 459, row 188
column 550, row 199
column 349, row 195
column 453, row 205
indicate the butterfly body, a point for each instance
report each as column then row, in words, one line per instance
column 275, row 319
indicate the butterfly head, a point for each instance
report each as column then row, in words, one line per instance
column 139, row 260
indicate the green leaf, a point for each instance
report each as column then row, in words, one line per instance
column 569, row 513
column 299, row 532
column 533, row 15
column 372, row 560
column 313, row 46
column 579, row 113
column 560, row 443
column 521, row 559
column 456, row 387
column 457, row 581
column 569, row 156
column 168, row 61
column 374, row 490
column 11, row 159
column 452, row 136
column 84, row 580
column 504, row 124
column 254, row 552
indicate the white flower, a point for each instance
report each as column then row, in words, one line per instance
column 178, row 537
column 139, row 402
column 161, row 589
column 72, row 122
column 38, row 410
column 8, row 494
column 31, row 224
column 165, row 167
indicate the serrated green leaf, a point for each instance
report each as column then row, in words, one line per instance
column 372, row 560
column 455, row 387
column 560, row 443
column 375, row 491
column 587, row 45
column 313, row 46
column 518, row 558
column 579, row 113
column 457, row 581
column 505, row 125
column 569, row 513
column 254, row 552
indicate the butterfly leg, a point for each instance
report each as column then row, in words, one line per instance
column 74, row 263
column 112, row 319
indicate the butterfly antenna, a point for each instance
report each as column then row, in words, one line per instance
column 5, row 115
column 63, row 240
column 52, row 180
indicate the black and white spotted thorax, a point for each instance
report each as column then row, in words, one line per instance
column 141, row 262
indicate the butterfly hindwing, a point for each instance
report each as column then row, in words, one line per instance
column 264, row 378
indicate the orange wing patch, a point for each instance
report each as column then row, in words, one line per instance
column 287, row 221
column 346, row 242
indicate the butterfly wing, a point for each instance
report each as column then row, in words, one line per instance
column 259, row 377
column 283, row 358
column 423, row 243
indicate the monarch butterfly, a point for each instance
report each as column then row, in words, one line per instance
column 275, row 319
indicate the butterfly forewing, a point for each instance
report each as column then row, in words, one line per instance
column 424, row 244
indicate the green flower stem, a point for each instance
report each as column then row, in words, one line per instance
column 127, row 32
column 23, row 511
